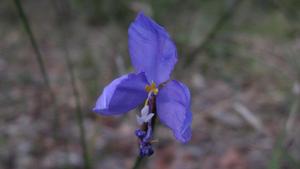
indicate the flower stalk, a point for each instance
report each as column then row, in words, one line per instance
column 140, row 160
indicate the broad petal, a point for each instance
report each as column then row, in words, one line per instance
column 173, row 108
column 122, row 95
column 151, row 49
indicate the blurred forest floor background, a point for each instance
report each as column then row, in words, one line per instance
column 239, row 58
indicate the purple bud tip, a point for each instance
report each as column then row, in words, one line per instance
column 140, row 133
column 146, row 150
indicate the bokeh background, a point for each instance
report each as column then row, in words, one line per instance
column 240, row 59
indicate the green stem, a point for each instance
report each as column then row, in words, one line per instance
column 39, row 59
column 138, row 161
column 33, row 41
column 63, row 18
column 79, row 114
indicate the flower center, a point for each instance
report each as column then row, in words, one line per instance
column 152, row 88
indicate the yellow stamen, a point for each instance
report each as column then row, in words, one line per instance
column 152, row 88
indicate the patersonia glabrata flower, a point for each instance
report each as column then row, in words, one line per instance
column 153, row 56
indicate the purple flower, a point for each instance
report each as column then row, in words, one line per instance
column 153, row 56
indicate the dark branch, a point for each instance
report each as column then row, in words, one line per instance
column 213, row 32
